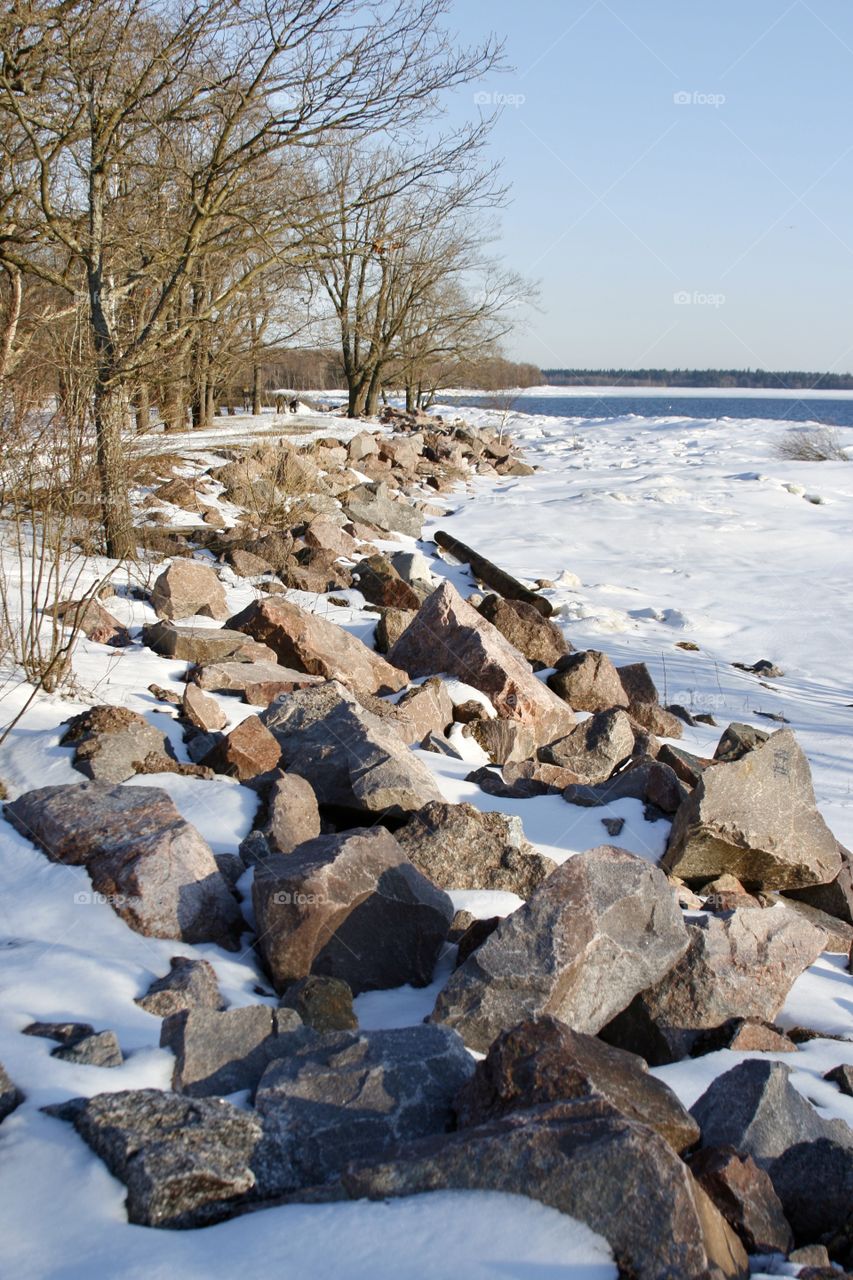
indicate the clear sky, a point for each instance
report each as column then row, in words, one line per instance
column 736, row 197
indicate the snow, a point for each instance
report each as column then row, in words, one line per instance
column 654, row 531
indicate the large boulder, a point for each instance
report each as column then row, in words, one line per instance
column 588, row 682
column 351, row 757
column 248, row 751
column 744, row 1195
column 374, row 504
column 349, row 906
column 542, row 1061
column 353, row 1095
column 458, row 847
column 293, row 815
column 189, row 589
column 586, row 1160
column 325, row 1004
column 755, row 818
column 834, row 898
column 223, row 1051
column 260, row 683
column 603, row 927
column 203, row 645
column 593, row 749
column 151, row 866
column 540, row 640
column 111, row 743
column 309, row 643
column 448, row 634
column 423, row 710
column 380, row 583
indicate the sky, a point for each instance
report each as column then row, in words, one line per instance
column 682, row 179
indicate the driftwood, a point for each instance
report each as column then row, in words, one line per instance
column 503, row 583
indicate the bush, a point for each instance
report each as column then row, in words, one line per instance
column 812, row 444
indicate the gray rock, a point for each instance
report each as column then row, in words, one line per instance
column 203, row 645
column 588, row 682
column 260, row 683
column 594, row 748
column 219, row 1052
column 843, row 1077
column 757, row 819
column 835, row 898
column 647, row 780
column 111, row 743
column 424, row 710
column 737, row 740
column 153, row 868
column 98, row 1050
column 374, row 504
column 324, row 1004
column 744, row 1195
column 293, row 815
column 64, row 1033
column 586, row 1160
column 347, row 1095
column 189, row 984
column 202, row 712
column 540, row 640
column 542, row 1061
column 458, row 847
column 11, row 1096
column 351, row 757
column 504, row 741
column 349, row 906
column 391, row 625
column 188, row 589
column 604, row 926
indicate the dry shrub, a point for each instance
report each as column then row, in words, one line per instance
column 812, row 444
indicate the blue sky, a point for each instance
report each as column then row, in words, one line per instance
column 711, row 231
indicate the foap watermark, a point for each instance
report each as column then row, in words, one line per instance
column 118, row 901
column 484, row 99
column 684, row 298
column 284, row 898
column 694, row 98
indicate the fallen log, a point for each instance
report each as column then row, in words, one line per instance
column 487, row 572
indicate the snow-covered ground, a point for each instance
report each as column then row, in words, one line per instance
column 653, row 532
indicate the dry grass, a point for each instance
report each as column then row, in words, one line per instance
column 812, row 444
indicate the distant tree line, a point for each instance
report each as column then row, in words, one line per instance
column 306, row 369
column 787, row 381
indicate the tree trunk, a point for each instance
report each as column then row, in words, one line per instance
column 411, row 398
column 142, row 408
column 10, row 323
column 110, row 417
column 256, row 389
column 371, row 406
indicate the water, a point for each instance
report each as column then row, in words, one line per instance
column 799, row 408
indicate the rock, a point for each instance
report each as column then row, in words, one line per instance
column 448, row 635
column 588, row 682
column 325, row 1004
column 656, row 719
column 352, row 758
column 11, row 1096
column 309, row 643
column 686, row 767
column 362, row 446
column 744, row 1195
column 201, row 711
column 757, row 819
column 737, row 740
column 613, row 826
column 423, row 710
column 292, row 814
column 843, row 1077
column 186, row 1162
column 755, row 1109
column 189, row 984
column 637, row 683
column 375, row 505
column 838, row 936
column 349, row 906
column 739, row 966
column 584, row 1159
column 349, row 1095
column 203, row 645
column 94, row 621
column 457, row 847
column 260, row 683
column 604, row 926
column 489, row 780
column 380, row 583
column 248, row 751
column 110, row 743
column 64, row 1033
column 247, row 565
column 540, row 640
column 323, row 533
column 98, row 1050
column 474, row 936
column 744, row 1035
column 391, row 625
column 542, row 1061
column 413, row 567
column 504, row 741
column 643, row 779
column 222, row 1051
column 834, row 898
column 189, row 589
column 549, row 777
column 764, row 668
column 154, row 869
column 471, row 712
column 594, row 748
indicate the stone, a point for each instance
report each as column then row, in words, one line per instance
column 223, row 1051
column 738, row 966
column 391, row 625
column 189, row 589
column 96, row 623
column 374, row 504
column 489, row 780
column 186, row 1162
column 838, row 935
column 351, row 757
column 843, row 1077
column 152, row 867
column 540, row 640
column 246, row 564
column 293, row 815
column 737, row 740
column 189, row 984
column 756, row 818
column 595, row 748
column 101, row 1049
column 637, row 683
column 413, row 567
column 110, row 743
column 448, row 635
column 423, row 710
column 549, row 777
column 470, row 712
column 686, row 767
column 324, row 1004
column 324, row 534
column 586, row 1160
column 310, row 643
column 64, row 1033
column 744, row 1035
column 380, row 583
column 201, row 711
column 349, row 906
column 11, row 1096
column 543, row 1061
column 603, row 927
column 503, row 741
column 474, row 936
column 588, row 682
column 248, row 751
column 744, row 1195
column 203, row 645
column 350, row 1095
column 260, row 683
column 834, row 898
column 457, row 847
column 656, row 719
